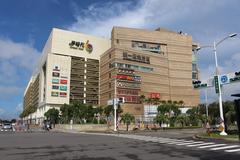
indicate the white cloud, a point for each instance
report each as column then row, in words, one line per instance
column 1, row 111
column 18, row 54
column 17, row 61
column 205, row 20
column 19, row 108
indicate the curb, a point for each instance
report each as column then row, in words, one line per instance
column 211, row 138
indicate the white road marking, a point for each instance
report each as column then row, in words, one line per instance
column 181, row 144
column 233, row 150
column 218, row 148
column 215, row 145
column 203, row 144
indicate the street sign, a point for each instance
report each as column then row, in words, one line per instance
column 224, row 79
column 216, row 84
column 110, row 102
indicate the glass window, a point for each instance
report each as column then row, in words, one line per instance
column 125, row 54
column 194, row 75
column 194, row 67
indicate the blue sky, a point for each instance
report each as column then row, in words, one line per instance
column 25, row 27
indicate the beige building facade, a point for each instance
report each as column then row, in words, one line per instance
column 92, row 70
column 68, row 70
column 156, row 64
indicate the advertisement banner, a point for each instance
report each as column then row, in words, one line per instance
column 54, row 94
column 63, row 88
column 154, row 95
column 63, row 81
column 55, row 81
column 55, row 87
column 63, row 94
column 55, row 74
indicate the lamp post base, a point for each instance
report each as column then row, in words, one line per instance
column 222, row 129
column 223, row 133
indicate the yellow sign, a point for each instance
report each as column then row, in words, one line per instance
column 81, row 46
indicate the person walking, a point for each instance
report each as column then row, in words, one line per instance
column 208, row 128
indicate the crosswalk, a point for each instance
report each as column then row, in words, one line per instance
column 212, row 146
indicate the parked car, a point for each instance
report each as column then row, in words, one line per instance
column 7, row 127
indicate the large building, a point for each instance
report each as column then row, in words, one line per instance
column 68, row 70
column 156, row 64
column 92, row 70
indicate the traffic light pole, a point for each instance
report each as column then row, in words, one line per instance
column 220, row 91
column 115, row 104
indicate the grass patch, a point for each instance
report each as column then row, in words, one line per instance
column 231, row 137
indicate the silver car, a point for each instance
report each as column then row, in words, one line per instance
column 7, row 127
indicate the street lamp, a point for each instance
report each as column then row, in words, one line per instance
column 115, row 104
column 214, row 46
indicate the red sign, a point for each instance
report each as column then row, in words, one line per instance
column 63, row 81
column 63, row 94
column 154, row 95
column 125, row 77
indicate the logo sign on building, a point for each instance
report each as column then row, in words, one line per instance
column 55, row 74
column 63, row 88
column 55, row 81
column 54, row 94
column 136, row 58
column 224, row 79
column 128, row 85
column 154, row 95
column 81, row 46
column 55, row 87
column 129, row 78
column 63, row 94
column 56, row 68
column 63, row 81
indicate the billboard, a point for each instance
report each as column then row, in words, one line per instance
column 154, row 95
column 63, row 81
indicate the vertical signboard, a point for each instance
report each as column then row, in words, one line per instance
column 216, row 84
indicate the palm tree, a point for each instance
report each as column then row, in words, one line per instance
column 142, row 98
column 161, row 118
column 182, row 120
column 127, row 118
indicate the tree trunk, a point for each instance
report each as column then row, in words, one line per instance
column 127, row 126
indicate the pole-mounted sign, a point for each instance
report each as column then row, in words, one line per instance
column 216, row 84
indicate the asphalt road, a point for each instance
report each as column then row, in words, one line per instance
column 64, row 146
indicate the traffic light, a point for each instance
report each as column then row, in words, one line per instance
column 237, row 73
column 199, row 84
column 121, row 100
column 236, row 78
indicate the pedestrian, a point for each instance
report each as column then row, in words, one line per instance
column 208, row 128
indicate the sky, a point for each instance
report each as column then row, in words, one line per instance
column 25, row 26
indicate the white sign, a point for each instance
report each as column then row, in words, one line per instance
column 110, row 102
column 224, row 79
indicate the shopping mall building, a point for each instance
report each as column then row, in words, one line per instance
column 78, row 67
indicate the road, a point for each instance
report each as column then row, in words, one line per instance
column 90, row 146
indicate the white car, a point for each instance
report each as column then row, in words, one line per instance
column 7, row 127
